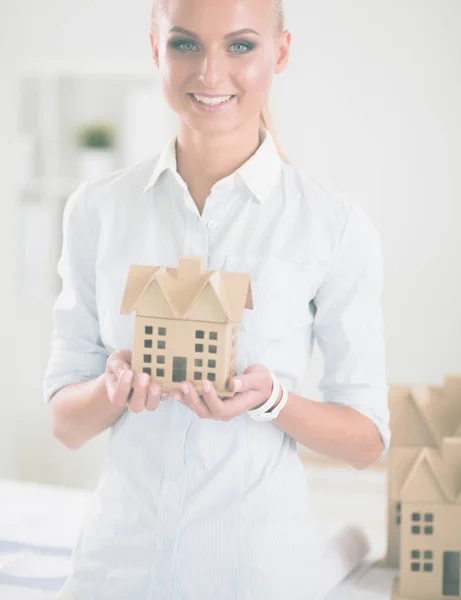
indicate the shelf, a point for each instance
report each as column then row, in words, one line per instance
column 56, row 99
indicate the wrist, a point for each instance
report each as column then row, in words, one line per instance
column 278, row 400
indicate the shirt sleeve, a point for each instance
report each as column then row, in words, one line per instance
column 77, row 353
column 348, row 323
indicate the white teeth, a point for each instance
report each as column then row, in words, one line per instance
column 205, row 100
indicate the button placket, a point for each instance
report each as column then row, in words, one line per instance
column 170, row 509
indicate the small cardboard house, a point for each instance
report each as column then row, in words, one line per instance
column 187, row 322
column 424, row 491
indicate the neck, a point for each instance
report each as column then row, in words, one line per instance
column 204, row 159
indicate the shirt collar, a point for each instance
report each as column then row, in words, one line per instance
column 259, row 173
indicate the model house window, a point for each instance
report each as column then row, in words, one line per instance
column 160, row 359
column 161, row 345
column 147, row 343
column 416, row 564
column 200, row 335
column 212, row 349
column 147, row 358
column 428, row 530
column 213, row 335
column 398, row 510
column 147, row 370
column 211, row 377
column 415, row 517
column 162, row 330
column 148, row 329
column 211, row 364
column 198, row 362
column 197, row 375
column 199, row 347
column 160, row 372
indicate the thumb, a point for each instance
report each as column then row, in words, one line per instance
column 252, row 378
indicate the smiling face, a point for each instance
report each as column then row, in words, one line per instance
column 196, row 50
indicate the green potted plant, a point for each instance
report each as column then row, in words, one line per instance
column 96, row 142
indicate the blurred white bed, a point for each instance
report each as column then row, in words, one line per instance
column 39, row 525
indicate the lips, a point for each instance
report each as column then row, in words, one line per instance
column 211, row 95
column 216, row 107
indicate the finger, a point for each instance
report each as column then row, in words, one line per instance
column 122, row 388
column 219, row 410
column 153, row 396
column 254, row 377
column 110, row 380
column 118, row 366
column 194, row 401
column 240, row 403
column 139, row 397
column 123, row 355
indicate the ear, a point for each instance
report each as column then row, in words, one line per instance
column 154, row 47
column 283, row 51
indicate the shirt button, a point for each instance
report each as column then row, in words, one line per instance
column 212, row 224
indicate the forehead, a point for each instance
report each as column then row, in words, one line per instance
column 216, row 17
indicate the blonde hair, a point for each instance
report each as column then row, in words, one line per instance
column 265, row 117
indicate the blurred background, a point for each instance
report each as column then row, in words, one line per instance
column 370, row 105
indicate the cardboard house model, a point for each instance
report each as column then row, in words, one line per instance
column 424, row 491
column 187, row 322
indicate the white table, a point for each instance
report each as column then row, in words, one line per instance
column 50, row 516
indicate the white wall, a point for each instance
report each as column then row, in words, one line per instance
column 369, row 105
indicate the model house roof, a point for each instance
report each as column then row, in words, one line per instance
column 423, row 415
column 433, row 479
column 187, row 292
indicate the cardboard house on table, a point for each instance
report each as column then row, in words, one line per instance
column 187, row 322
column 424, row 491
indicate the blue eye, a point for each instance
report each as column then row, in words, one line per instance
column 179, row 44
column 244, row 45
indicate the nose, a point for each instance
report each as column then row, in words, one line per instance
column 212, row 70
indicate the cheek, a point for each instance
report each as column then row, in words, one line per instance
column 257, row 79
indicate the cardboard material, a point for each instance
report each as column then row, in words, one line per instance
column 187, row 322
column 424, row 491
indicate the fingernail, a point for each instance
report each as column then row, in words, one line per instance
column 126, row 376
column 206, row 385
column 237, row 384
column 185, row 388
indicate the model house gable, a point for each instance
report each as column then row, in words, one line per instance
column 138, row 278
column 426, row 400
column 401, row 462
column 424, row 484
column 208, row 306
column 154, row 303
column 411, row 428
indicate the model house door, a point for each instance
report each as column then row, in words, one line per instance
column 451, row 562
column 179, row 368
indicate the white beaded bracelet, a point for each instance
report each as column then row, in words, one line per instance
column 260, row 413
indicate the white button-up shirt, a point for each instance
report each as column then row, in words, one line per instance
column 198, row 509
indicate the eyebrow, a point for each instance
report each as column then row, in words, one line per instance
column 228, row 35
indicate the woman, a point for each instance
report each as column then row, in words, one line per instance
column 199, row 498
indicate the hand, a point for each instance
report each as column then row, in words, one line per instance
column 255, row 388
column 126, row 388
